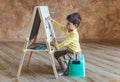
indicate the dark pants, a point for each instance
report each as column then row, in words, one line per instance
column 64, row 56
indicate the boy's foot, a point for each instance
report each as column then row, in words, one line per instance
column 60, row 73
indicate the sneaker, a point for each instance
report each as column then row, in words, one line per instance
column 60, row 73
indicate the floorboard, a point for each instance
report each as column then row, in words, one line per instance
column 102, row 64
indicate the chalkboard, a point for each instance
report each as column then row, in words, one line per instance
column 36, row 25
column 39, row 21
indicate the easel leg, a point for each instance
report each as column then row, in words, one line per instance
column 20, row 65
column 28, row 64
column 53, row 65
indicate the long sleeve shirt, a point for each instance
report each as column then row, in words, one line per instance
column 72, row 38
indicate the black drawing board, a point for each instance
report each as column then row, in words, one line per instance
column 39, row 21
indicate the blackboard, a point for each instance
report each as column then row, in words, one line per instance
column 35, row 26
column 39, row 21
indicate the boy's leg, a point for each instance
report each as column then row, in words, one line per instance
column 63, row 62
column 63, row 58
column 58, row 54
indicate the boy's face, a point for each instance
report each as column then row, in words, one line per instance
column 70, row 26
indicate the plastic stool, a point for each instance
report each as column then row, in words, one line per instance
column 77, row 68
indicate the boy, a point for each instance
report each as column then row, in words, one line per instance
column 73, row 50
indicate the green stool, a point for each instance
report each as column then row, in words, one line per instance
column 77, row 68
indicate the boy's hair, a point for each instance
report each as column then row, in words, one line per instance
column 74, row 18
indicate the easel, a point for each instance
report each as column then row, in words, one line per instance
column 39, row 18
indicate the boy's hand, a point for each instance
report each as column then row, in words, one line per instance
column 53, row 45
column 50, row 18
column 53, row 48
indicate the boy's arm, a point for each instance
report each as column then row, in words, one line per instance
column 62, row 27
column 66, row 42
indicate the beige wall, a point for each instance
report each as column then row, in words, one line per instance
column 101, row 18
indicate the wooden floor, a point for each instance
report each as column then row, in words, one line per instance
column 102, row 64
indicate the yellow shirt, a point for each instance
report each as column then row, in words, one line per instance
column 72, row 38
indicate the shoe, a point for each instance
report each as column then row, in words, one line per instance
column 60, row 73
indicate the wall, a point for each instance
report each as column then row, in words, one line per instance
column 100, row 18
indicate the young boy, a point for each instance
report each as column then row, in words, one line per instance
column 71, row 41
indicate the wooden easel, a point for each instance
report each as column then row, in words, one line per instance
column 39, row 18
